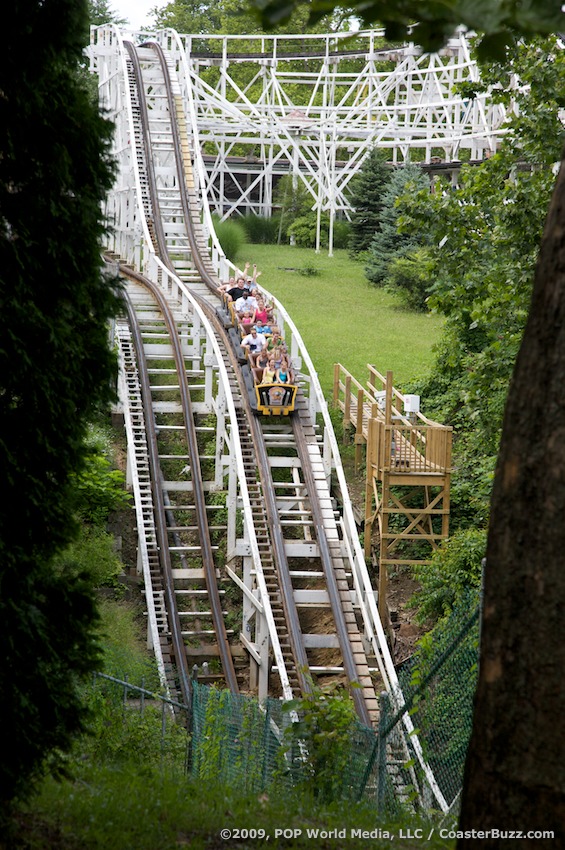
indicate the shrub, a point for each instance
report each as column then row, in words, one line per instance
column 303, row 229
column 319, row 743
column 342, row 234
column 92, row 554
column 455, row 569
column 409, row 276
column 99, row 490
column 309, row 270
column 260, row 230
column 231, row 236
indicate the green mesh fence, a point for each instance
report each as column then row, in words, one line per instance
column 130, row 723
column 439, row 684
column 248, row 744
column 251, row 746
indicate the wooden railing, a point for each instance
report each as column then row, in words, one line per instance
column 397, row 441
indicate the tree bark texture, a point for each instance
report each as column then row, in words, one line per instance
column 515, row 770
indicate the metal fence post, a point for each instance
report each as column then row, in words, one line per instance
column 384, row 704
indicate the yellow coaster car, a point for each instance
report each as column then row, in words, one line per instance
column 275, row 399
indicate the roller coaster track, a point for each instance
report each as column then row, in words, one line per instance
column 301, row 567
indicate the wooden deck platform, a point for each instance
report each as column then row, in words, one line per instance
column 408, row 471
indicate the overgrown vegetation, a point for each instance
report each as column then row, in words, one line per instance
column 231, row 236
column 320, row 740
column 134, row 805
column 487, row 234
column 474, row 265
column 56, row 372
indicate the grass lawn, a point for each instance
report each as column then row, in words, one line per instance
column 342, row 318
column 134, row 807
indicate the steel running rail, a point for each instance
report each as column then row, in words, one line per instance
column 291, row 626
column 365, row 593
column 207, row 554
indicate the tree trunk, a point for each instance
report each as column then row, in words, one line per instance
column 515, row 770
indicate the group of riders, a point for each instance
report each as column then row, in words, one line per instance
column 261, row 339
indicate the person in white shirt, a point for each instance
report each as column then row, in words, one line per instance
column 254, row 343
column 245, row 302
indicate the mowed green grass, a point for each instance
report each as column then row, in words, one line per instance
column 342, row 318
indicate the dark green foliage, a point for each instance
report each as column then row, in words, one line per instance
column 320, row 741
column 92, row 554
column 367, row 190
column 389, row 242
column 56, row 369
column 304, row 228
column 309, row 270
column 99, row 490
column 455, row 569
column 410, row 276
column 500, row 22
column 485, row 239
column 342, row 234
column 100, row 12
column 260, row 230
column 231, row 236
column 119, row 734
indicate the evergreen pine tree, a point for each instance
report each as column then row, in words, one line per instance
column 387, row 243
column 367, row 190
column 100, row 12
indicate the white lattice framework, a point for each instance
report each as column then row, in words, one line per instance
column 314, row 106
column 130, row 239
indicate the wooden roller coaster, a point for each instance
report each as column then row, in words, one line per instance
column 286, row 555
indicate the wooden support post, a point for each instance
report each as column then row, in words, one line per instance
column 359, row 438
column 371, row 381
column 369, row 472
column 383, row 551
column 385, row 502
column 347, row 407
column 337, row 370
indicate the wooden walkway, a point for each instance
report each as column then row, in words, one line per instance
column 405, row 442
column 408, row 471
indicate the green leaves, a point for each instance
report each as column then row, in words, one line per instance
column 367, row 198
column 485, row 241
column 321, row 738
column 455, row 568
column 499, row 21
column 56, row 369
column 391, row 242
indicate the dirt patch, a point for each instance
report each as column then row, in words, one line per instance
column 405, row 632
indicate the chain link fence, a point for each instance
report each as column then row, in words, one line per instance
column 438, row 684
column 252, row 746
